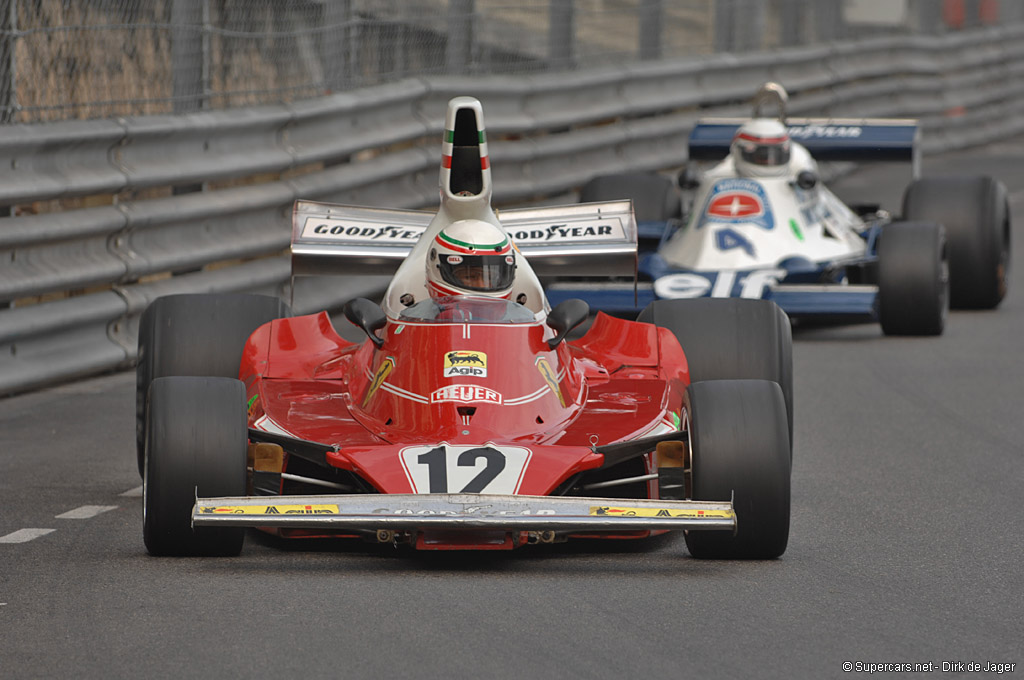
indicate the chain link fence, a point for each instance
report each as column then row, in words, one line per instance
column 87, row 59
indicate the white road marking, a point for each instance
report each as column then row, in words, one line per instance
column 86, row 511
column 25, row 535
column 133, row 493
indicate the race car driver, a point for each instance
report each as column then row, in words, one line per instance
column 471, row 257
column 761, row 148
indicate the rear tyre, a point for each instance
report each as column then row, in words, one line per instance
column 739, row 449
column 913, row 279
column 655, row 198
column 199, row 334
column 733, row 338
column 196, row 446
column 976, row 214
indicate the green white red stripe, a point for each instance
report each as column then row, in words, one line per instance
column 499, row 248
column 446, row 149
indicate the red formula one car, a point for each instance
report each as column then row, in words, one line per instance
column 466, row 419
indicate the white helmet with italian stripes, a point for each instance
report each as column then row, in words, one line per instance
column 471, row 257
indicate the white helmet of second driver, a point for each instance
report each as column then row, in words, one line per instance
column 761, row 148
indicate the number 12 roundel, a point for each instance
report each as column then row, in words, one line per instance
column 465, row 469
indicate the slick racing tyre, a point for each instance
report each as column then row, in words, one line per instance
column 655, row 198
column 200, row 335
column 732, row 338
column 196, row 441
column 739, row 449
column 913, row 279
column 975, row 212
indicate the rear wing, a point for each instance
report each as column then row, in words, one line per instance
column 827, row 139
column 586, row 239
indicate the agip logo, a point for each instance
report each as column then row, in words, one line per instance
column 465, row 364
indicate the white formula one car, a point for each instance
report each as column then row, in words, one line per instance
column 762, row 225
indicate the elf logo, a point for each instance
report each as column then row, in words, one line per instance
column 718, row 284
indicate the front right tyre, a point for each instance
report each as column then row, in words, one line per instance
column 196, row 445
column 195, row 334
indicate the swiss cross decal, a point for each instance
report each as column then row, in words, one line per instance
column 736, row 204
column 737, row 200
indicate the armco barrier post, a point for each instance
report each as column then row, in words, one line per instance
column 651, row 17
column 561, row 52
column 187, row 55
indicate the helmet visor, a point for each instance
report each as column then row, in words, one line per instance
column 765, row 154
column 483, row 273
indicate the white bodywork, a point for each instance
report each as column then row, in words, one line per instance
column 411, row 277
column 742, row 224
column 580, row 239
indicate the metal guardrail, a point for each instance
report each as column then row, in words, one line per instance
column 547, row 135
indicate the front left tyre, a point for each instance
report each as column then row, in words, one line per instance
column 739, row 451
column 731, row 338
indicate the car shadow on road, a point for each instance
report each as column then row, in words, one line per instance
column 659, row 555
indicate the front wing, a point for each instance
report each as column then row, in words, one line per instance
column 412, row 512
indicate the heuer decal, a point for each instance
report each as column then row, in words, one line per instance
column 465, row 394
column 383, row 372
column 601, row 230
column 251, row 405
column 271, row 510
column 350, row 231
column 465, row 363
column 735, row 201
column 753, row 284
column 675, row 513
column 550, row 378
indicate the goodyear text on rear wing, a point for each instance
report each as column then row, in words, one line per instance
column 579, row 240
column 827, row 139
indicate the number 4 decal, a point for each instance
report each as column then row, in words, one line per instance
column 465, row 469
column 727, row 239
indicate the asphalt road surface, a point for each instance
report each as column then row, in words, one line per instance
column 906, row 543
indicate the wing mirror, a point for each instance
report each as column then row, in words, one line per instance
column 564, row 317
column 806, row 179
column 689, row 178
column 368, row 316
